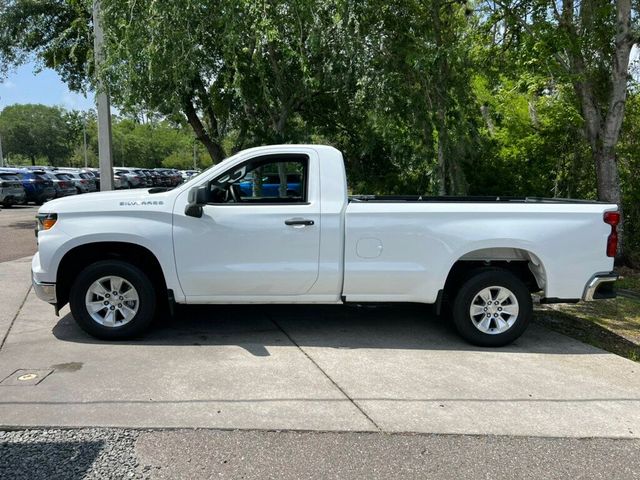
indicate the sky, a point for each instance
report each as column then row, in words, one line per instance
column 22, row 86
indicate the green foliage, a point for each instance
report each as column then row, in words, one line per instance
column 43, row 135
column 531, row 148
column 35, row 131
column 629, row 161
column 57, row 33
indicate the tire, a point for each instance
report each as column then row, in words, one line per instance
column 141, row 300
column 501, row 295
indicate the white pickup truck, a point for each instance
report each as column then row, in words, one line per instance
column 275, row 225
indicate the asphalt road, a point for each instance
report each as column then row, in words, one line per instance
column 17, row 239
column 203, row 454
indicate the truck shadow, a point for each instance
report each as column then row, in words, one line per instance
column 257, row 327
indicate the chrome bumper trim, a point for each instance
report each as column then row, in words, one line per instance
column 45, row 291
column 593, row 284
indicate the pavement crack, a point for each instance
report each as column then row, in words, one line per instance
column 13, row 320
column 333, row 382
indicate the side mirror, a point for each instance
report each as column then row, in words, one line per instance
column 198, row 197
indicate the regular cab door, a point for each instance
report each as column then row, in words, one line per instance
column 259, row 235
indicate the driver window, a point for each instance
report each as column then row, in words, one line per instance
column 263, row 180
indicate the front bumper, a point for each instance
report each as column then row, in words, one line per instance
column 45, row 291
column 600, row 287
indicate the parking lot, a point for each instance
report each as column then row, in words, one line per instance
column 392, row 370
column 17, row 225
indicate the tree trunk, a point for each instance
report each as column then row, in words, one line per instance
column 442, row 167
column 215, row 150
column 486, row 116
column 608, row 183
column 603, row 122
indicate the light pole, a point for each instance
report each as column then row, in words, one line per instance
column 194, row 157
column 102, row 103
column 1, row 157
column 84, row 135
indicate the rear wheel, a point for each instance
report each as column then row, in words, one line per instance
column 492, row 308
column 112, row 300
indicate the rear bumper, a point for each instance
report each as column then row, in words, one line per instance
column 600, row 286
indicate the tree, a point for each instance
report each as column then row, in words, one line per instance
column 57, row 34
column 588, row 45
column 165, row 57
column 420, row 74
column 286, row 58
column 35, row 131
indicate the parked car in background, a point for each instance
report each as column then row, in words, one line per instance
column 270, row 185
column 63, row 184
column 188, row 174
column 120, row 181
column 146, row 177
column 96, row 176
column 37, row 167
column 92, row 176
column 11, row 189
column 134, row 179
column 37, row 185
column 83, row 182
column 174, row 176
column 156, row 178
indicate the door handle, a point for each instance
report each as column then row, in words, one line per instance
column 299, row 221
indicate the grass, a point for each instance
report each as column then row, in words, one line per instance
column 629, row 279
column 613, row 325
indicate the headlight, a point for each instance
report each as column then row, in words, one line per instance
column 45, row 221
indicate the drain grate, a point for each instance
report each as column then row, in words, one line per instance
column 25, row 378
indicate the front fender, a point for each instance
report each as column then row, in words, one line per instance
column 152, row 232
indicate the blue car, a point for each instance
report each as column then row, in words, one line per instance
column 271, row 185
column 37, row 185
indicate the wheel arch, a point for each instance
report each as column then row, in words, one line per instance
column 521, row 262
column 77, row 258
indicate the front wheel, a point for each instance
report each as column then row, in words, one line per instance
column 492, row 308
column 112, row 300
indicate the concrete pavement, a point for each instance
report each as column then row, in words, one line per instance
column 14, row 285
column 391, row 369
column 17, row 238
